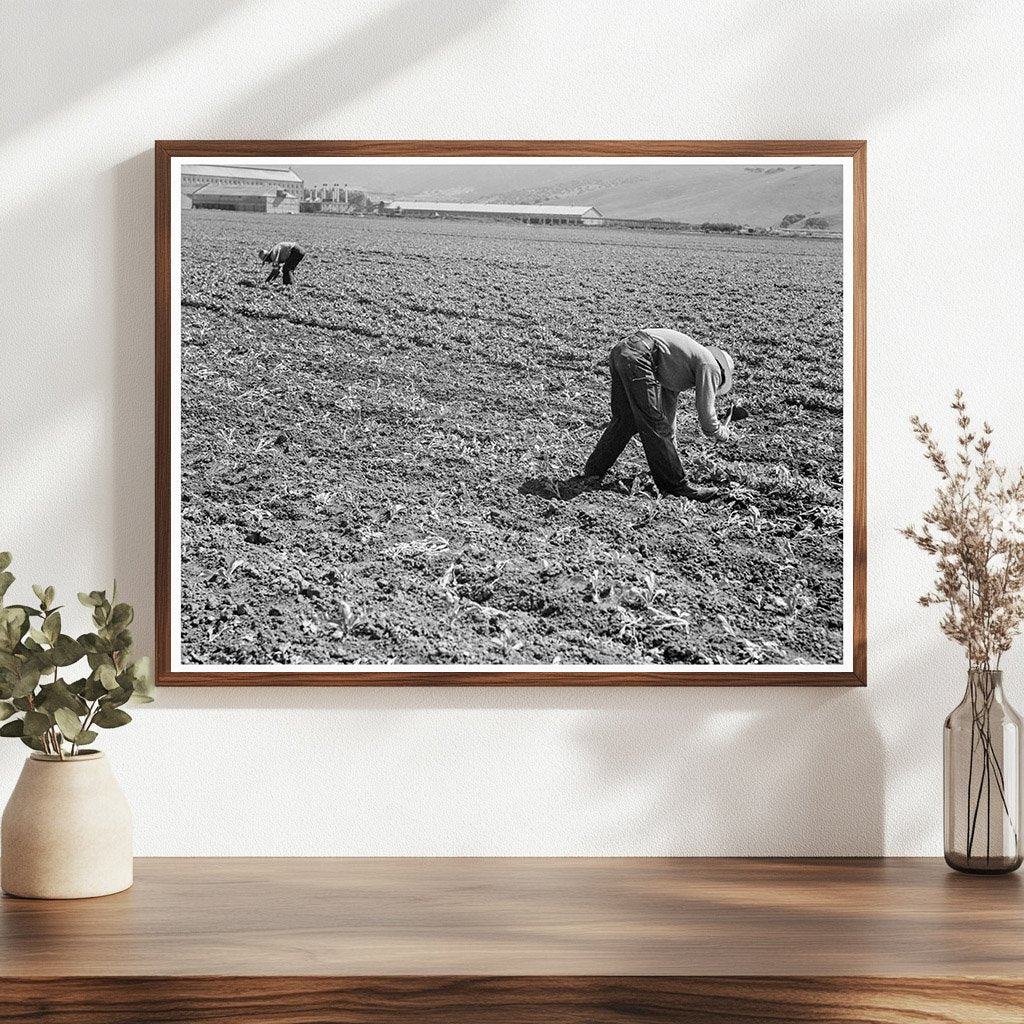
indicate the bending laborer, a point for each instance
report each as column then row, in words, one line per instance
column 649, row 369
column 284, row 257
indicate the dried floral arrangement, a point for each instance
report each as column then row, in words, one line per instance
column 47, row 713
column 975, row 530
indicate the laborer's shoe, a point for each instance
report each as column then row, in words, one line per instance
column 695, row 493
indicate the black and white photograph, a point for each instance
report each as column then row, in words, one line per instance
column 511, row 413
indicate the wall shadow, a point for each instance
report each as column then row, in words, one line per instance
column 695, row 771
column 804, row 63
column 744, row 772
column 133, row 390
column 101, row 40
column 396, row 38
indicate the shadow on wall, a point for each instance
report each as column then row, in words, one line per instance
column 132, row 413
column 393, row 40
column 924, row 683
column 808, row 62
column 102, row 40
column 105, row 41
column 693, row 771
column 740, row 770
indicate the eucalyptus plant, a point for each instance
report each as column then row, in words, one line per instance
column 46, row 712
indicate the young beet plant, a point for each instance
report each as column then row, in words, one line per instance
column 46, row 712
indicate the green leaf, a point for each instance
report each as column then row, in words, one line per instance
column 51, row 626
column 40, row 592
column 38, row 635
column 50, row 595
column 36, row 723
column 59, row 695
column 86, row 736
column 13, row 624
column 66, row 651
column 31, row 741
column 6, row 710
column 69, row 724
column 15, row 728
column 111, row 718
column 122, row 616
column 27, row 682
column 5, row 560
column 142, row 682
column 94, row 689
column 124, row 641
column 89, row 600
column 115, row 698
column 107, row 676
column 8, row 681
column 14, row 615
column 6, row 579
column 28, row 610
column 94, row 644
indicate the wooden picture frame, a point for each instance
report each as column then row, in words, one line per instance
column 169, row 158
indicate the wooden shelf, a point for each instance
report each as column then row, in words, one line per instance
column 573, row 941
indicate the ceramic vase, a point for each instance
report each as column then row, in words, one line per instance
column 66, row 831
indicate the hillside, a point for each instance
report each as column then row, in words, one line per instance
column 760, row 195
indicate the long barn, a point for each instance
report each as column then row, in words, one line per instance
column 222, row 177
column 527, row 214
column 248, row 198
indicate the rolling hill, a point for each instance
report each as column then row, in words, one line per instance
column 756, row 195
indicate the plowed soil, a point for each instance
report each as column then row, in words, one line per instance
column 377, row 463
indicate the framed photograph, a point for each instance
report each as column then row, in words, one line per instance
column 510, row 413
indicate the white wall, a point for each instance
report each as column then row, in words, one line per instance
column 935, row 87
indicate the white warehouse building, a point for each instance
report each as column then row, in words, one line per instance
column 536, row 214
column 279, row 181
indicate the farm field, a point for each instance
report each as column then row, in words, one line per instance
column 377, row 463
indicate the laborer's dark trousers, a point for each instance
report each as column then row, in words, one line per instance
column 286, row 268
column 640, row 405
column 294, row 259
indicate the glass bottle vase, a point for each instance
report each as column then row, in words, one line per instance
column 981, row 772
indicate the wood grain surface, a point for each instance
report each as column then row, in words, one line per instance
column 722, row 941
column 505, row 916
column 166, row 150
column 519, row 1000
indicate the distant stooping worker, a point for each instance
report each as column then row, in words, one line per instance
column 284, row 258
column 649, row 369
